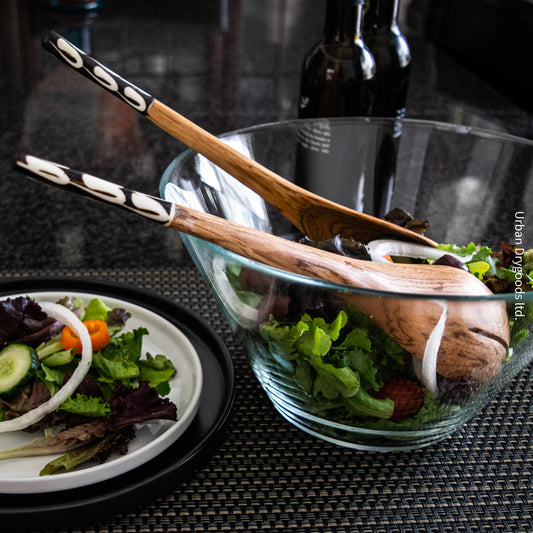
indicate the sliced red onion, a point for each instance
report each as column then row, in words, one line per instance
column 380, row 248
column 67, row 317
column 431, row 352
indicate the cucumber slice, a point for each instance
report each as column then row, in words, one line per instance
column 18, row 363
column 58, row 358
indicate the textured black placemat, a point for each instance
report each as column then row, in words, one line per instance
column 268, row 475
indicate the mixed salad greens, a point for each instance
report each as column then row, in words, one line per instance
column 344, row 363
column 39, row 355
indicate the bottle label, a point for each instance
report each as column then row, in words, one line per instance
column 316, row 136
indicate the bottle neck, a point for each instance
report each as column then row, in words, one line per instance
column 381, row 14
column 344, row 20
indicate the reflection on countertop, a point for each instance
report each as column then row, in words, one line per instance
column 224, row 64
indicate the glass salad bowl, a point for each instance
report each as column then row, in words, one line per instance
column 368, row 369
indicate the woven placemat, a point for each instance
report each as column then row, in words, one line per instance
column 268, row 475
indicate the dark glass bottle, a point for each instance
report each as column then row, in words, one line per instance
column 392, row 56
column 338, row 73
column 393, row 65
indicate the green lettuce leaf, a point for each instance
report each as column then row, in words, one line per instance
column 480, row 254
column 118, row 360
column 80, row 404
column 313, row 342
column 116, row 368
column 96, row 310
column 332, row 382
column 363, row 404
column 364, row 364
column 156, row 370
column 338, row 366
column 96, row 450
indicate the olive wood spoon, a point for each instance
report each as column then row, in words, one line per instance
column 317, row 217
column 476, row 340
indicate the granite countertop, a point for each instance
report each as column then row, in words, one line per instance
column 224, row 65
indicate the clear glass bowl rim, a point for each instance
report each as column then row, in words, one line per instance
column 278, row 273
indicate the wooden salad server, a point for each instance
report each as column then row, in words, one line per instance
column 316, row 217
column 476, row 336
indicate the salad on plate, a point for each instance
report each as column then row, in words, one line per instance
column 72, row 371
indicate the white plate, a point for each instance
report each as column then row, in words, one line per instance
column 19, row 476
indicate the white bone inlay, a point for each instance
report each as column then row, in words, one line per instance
column 150, row 207
column 135, row 99
column 46, row 169
column 105, row 79
column 72, row 56
column 110, row 192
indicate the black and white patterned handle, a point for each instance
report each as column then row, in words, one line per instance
column 95, row 71
column 97, row 188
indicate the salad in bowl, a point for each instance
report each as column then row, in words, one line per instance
column 354, row 365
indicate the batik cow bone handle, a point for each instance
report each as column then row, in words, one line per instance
column 95, row 71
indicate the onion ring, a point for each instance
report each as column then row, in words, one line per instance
column 429, row 362
column 68, row 318
column 379, row 248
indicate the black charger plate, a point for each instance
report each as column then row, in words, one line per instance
column 95, row 502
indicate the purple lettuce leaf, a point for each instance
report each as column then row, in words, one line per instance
column 23, row 321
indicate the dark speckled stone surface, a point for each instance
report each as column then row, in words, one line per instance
column 224, row 65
